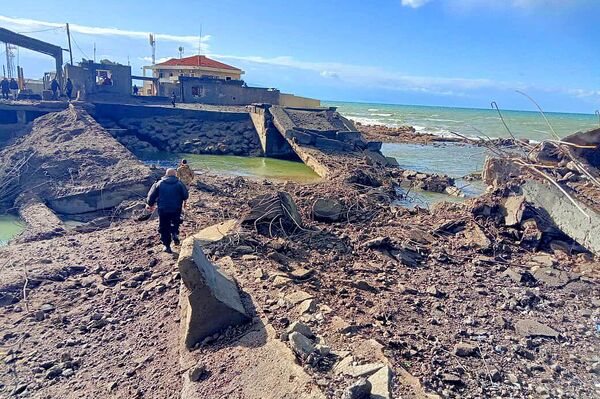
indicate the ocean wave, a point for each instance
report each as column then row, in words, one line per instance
column 372, row 109
column 382, row 114
column 372, row 121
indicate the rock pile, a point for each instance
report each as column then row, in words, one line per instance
column 186, row 135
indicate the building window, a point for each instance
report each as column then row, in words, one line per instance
column 198, row 91
column 228, row 78
column 160, row 75
column 103, row 77
column 171, row 74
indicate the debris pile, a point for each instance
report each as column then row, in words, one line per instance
column 73, row 164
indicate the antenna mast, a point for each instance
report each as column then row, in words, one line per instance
column 10, row 60
column 152, row 41
column 200, row 47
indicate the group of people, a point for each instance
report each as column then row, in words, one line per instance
column 169, row 195
column 55, row 87
column 7, row 86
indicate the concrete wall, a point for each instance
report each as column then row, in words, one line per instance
column 220, row 92
column 119, row 111
column 84, row 76
column 585, row 229
column 290, row 100
column 272, row 142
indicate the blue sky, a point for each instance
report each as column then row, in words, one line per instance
column 462, row 53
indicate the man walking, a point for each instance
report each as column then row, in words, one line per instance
column 169, row 193
column 5, row 86
column 54, row 86
column 69, row 88
column 14, row 87
column 185, row 173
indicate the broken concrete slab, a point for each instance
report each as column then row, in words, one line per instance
column 42, row 223
column 533, row 328
column 216, row 232
column 212, row 299
column 301, row 345
column 498, row 171
column 513, row 209
column 272, row 210
column 554, row 278
column 381, row 383
column 476, row 238
column 583, row 227
column 297, row 297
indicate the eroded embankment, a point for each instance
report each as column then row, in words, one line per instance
column 70, row 165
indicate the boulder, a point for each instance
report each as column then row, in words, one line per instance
column 327, row 210
column 513, row 209
column 533, row 328
column 301, row 345
column 380, row 383
column 270, row 211
column 211, row 300
column 361, row 389
column 553, row 277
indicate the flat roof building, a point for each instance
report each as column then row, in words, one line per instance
column 197, row 66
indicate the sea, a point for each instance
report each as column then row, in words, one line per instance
column 471, row 122
column 456, row 159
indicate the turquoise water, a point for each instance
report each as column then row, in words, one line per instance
column 452, row 159
column 443, row 120
column 253, row 167
column 10, row 226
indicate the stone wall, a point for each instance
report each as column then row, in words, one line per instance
column 180, row 134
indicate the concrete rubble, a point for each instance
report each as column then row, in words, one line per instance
column 326, row 290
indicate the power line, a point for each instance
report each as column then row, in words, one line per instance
column 77, row 45
column 43, row 30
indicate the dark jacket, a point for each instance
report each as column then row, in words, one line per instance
column 169, row 192
column 54, row 85
column 69, row 85
column 5, row 85
column 13, row 84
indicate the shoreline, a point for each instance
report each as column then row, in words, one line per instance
column 408, row 135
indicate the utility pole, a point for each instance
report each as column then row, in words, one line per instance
column 70, row 49
column 94, row 52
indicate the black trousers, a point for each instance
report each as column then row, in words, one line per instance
column 168, row 225
column 5, row 95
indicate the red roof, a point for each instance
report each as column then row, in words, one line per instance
column 197, row 60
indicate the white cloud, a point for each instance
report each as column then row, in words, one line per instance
column 27, row 25
column 414, row 3
column 329, row 74
column 497, row 4
column 380, row 78
column 370, row 76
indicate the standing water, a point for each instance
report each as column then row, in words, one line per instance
column 252, row 167
column 10, row 226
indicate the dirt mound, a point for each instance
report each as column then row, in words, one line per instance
column 73, row 164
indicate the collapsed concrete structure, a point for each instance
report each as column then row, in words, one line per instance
column 68, row 163
column 210, row 301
